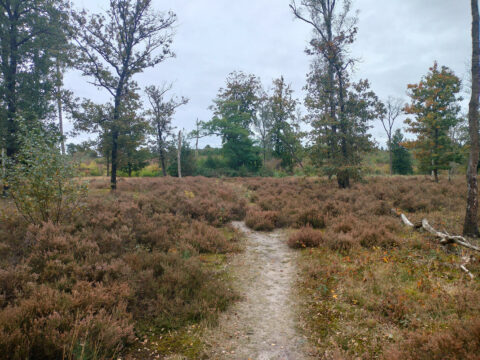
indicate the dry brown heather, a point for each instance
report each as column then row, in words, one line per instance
column 149, row 263
column 371, row 288
column 140, row 263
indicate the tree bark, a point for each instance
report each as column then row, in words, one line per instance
column 470, row 227
column 4, row 172
column 59, row 105
column 162, row 162
column 115, row 133
column 11, row 81
column 108, row 165
column 390, row 157
column 179, row 154
column 113, row 175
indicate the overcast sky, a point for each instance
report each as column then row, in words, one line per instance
column 398, row 41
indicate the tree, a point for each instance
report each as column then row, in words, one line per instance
column 393, row 108
column 132, row 38
column 401, row 158
column 160, row 117
column 470, row 226
column 435, row 104
column 284, row 128
column 235, row 110
column 133, row 154
column 263, row 126
column 340, row 110
column 32, row 34
column 188, row 163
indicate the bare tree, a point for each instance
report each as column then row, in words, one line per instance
column 393, row 109
column 470, row 226
column 160, row 118
column 112, row 50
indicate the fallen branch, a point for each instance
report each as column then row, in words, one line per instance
column 445, row 238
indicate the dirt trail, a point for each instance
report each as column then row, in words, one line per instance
column 262, row 326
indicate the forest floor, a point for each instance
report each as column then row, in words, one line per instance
column 263, row 325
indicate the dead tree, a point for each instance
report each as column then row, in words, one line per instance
column 160, row 116
column 393, row 109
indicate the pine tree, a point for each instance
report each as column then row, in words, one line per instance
column 401, row 157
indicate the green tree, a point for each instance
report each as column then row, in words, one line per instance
column 32, row 34
column 401, row 157
column 112, row 49
column 132, row 140
column 435, row 105
column 132, row 129
column 235, row 110
column 340, row 110
column 284, row 132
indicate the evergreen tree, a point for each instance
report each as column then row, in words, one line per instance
column 435, row 105
column 401, row 157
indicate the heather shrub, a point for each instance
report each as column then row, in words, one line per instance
column 460, row 341
column 369, row 236
column 171, row 290
column 311, row 217
column 51, row 324
column 261, row 220
column 305, row 237
column 207, row 239
column 339, row 241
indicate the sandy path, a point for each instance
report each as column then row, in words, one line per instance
column 261, row 326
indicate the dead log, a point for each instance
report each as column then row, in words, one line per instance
column 445, row 238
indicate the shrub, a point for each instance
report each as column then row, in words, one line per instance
column 305, row 237
column 461, row 341
column 41, row 181
column 370, row 236
column 261, row 220
column 311, row 217
column 340, row 242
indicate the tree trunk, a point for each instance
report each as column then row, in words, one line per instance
column 162, row 163
column 196, row 143
column 390, row 160
column 343, row 179
column 113, row 176
column 470, row 227
column 4, row 172
column 435, row 175
column 179, row 154
column 11, row 93
column 59, row 105
column 108, row 165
